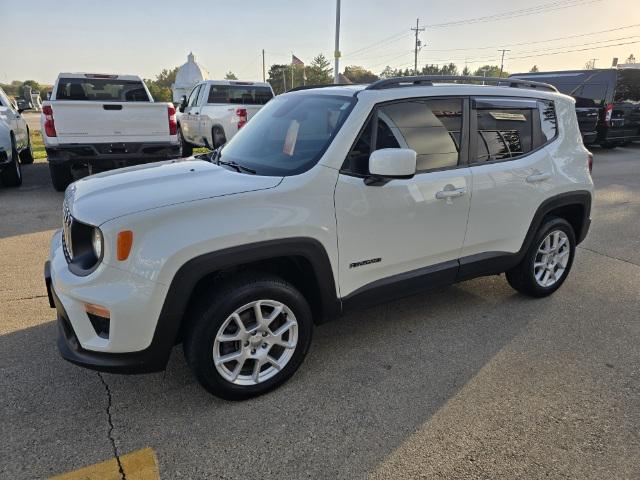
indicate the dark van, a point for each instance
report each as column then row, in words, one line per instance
column 607, row 102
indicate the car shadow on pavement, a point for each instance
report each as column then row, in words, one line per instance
column 370, row 380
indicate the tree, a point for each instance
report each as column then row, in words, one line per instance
column 490, row 71
column 631, row 59
column 33, row 84
column 279, row 76
column 466, row 72
column 166, row 78
column 320, row 71
column 230, row 76
column 160, row 87
column 534, row 69
column 359, row 74
column 388, row 72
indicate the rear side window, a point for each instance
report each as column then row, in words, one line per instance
column 512, row 128
column 431, row 127
column 101, row 90
column 239, row 94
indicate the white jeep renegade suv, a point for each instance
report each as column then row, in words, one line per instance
column 329, row 199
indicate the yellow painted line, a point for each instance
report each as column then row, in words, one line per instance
column 138, row 465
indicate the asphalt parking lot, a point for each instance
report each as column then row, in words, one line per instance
column 474, row 381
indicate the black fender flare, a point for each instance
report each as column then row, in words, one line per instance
column 190, row 273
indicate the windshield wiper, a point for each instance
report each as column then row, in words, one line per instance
column 216, row 157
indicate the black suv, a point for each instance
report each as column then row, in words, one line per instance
column 607, row 102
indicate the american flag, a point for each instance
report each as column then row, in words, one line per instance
column 296, row 61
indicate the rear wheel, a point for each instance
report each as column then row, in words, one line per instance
column 250, row 337
column 548, row 261
column 26, row 156
column 61, row 175
column 186, row 148
column 11, row 175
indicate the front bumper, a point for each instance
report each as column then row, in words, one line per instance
column 137, row 342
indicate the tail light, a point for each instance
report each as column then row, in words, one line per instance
column 241, row 113
column 173, row 124
column 49, row 124
column 608, row 112
column 590, row 161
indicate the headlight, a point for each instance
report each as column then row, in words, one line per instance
column 97, row 242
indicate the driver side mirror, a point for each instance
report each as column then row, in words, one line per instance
column 390, row 163
column 183, row 103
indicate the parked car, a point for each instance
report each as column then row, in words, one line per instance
column 607, row 102
column 329, row 199
column 11, row 114
column 216, row 109
column 96, row 122
column 10, row 171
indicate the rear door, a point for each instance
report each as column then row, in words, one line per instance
column 512, row 172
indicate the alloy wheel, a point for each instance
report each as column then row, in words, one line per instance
column 551, row 259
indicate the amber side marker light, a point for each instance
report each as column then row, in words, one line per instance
column 123, row 244
column 97, row 310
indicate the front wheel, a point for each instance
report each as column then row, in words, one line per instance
column 250, row 337
column 548, row 261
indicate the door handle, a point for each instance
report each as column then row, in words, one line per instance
column 450, row 192
column 538, row 177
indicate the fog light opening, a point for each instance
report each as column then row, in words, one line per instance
column 100, row 319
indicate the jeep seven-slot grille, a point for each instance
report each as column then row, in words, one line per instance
column 67, row 224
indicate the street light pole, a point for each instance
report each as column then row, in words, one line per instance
column 336, row 53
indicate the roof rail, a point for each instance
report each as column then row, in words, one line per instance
column 428, row 80
column 308, row 87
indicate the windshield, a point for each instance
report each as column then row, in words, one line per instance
column 289, row 135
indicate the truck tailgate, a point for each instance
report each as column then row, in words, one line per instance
column 104, row 122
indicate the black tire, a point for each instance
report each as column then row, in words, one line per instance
column 218, row 137
column 26, row 155
column 11, row 174
column 212, row 313
column 186, row 148
column 61, row 175
column 609, row 145
column 522, row 277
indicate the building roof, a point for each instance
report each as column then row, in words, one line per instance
column 190, row 73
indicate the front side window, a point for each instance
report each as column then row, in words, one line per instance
column 101, row 90
column 628, row 86
column 193, row 98
column 289, row 135
column 431, row 127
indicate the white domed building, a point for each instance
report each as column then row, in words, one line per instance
column 188, row 75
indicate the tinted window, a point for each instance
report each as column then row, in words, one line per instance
column 430, row 127
column 628, row 87
column 101, row 89
column 503, row 133
column 239, row 94
column 288, row 135
column 358, row 158
column 548, row 122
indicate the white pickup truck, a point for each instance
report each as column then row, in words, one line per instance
column 216, row 109
column 96, row 122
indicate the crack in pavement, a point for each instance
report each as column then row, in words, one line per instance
column 111, row 427
column 609, row 256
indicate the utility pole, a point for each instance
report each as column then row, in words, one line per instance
column 502, row 61
column 593, row 63
column 263, row 70
column 336, row 52
column 417, row 46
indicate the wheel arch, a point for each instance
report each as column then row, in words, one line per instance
column 303, row 262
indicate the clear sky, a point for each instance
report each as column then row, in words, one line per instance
column 41, row 38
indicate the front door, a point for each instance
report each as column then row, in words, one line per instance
column 191, row 117
column 405, row 233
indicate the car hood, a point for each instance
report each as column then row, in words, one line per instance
column 105, row 196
